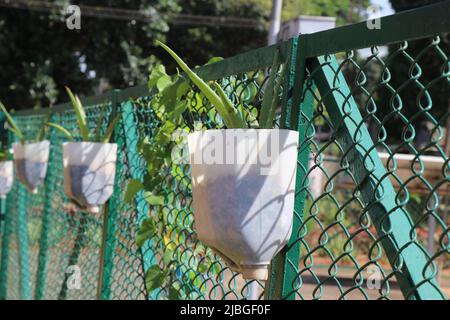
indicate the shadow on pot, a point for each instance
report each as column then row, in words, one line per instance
column 89, row 172
column 31, row 162
column 243, row 204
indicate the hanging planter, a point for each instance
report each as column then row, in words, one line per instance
column 6, row 178
column 242, row 208
column 243, row 194
column 89, row 171
column 30, row 157
column 89, row 166
column 31, row 163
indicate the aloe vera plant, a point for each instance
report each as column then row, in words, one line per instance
column 13, row 127
column 223, row 104
column 173, row 99
column 83, row 125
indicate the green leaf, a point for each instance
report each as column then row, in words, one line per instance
column 156, row 73
column 110, row 129
column 154, row 278
column 182, row 89
column 13, row 126
column 163, row 82
column 81, row 115
column 174, row 293
column 133, row 187
column 146, row 231
column 41, row 133
column 214, row 60
column 153, row 200
column 234, row 119
column 63, row 130
column 268, row 106
column 98, row 125
column 168, row 255
column 202, row 267
column 209, row 93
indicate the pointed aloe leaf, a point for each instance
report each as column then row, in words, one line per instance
column 81, row 115
column 213, row 97
column 41, row 134
column 63, row 130
column 12, row 124
column 110, row 129
column 234, row 119
column 98, row 125
column 268, row 106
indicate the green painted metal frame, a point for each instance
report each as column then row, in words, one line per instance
column 5, row 250
column 417, row 280
column 407, row 25
column 111, row 213
column 22, row 235
column 284, row 268
column 41, row 275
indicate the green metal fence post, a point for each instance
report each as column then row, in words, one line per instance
column 295, row 116
column 392, row 222
column 7, row 233
column 111, row 213
column 46, row 224
column 22, row 234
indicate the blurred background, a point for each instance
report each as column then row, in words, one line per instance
column 115, row 46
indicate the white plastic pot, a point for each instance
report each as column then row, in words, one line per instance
column 31, row 162
column 6, row 178
column 243, row 196
column 89, row 171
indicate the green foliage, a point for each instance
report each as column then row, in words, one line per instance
column 271, row 96
column 83, row 125
column 220, row 101
column 12, row 126
column 80, row 114
column 146, row 231
column 133, row 187
column 105, row 53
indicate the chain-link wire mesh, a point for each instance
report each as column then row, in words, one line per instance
column 195, row 272
column 366, row 223
column 372, row 191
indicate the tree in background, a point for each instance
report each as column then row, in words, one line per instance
column 40, row 55
column 198, row 44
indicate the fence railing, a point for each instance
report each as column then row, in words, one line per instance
column 372, row 223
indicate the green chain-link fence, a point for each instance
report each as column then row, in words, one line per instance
column 372, row 193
